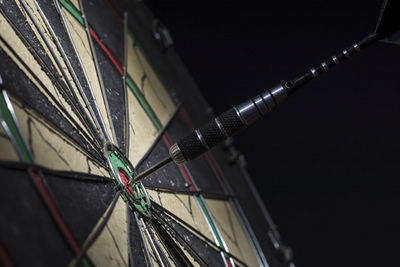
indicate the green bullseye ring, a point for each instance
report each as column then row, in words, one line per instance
column 123, row 171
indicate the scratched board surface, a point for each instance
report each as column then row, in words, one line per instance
column 83, row 107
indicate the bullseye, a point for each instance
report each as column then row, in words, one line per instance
column 124, row 179
column 122, row 170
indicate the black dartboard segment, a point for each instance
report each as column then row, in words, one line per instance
column 27, row 229
column 74, row 196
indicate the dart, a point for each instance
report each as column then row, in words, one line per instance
column 242, row 116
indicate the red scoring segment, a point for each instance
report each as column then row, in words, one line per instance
column 124, row 178
column 105, row 49
column 54, row 210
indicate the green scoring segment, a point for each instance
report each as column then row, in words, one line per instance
column 136, row 195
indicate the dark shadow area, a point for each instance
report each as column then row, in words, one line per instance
column 327, row 161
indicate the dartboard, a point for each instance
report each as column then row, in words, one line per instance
column 92, row 93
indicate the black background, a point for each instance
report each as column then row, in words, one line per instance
column 326, row 162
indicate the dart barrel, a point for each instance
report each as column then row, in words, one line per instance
column 226, row 125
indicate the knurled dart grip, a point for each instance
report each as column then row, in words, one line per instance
column 209, row 135
column 225, row 125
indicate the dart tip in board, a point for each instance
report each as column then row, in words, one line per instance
column 123, row 172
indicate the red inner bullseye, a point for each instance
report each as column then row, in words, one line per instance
column 124, row 178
